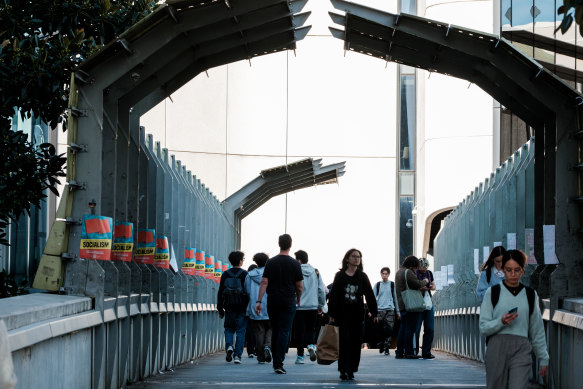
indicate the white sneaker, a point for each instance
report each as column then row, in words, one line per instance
column 312, row 352
column 237, row 360
column 299, row 360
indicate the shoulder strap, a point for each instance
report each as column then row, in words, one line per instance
column 378, row 286
column 488, row 274
column 392, row 288
column 495, row 294
column 530, row 298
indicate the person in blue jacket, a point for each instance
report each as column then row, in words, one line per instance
column 259, row 322
column 492, row 273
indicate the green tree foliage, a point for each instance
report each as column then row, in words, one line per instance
column 572, row 10
column 41, row 43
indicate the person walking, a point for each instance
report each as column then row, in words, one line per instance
column 250, row 335
column 311, row 304
column 427, row 317
column 232, row 303
column 491, row 273
column 386, row 297
column 282, row 280
column 510, row 319
column 346, row 310
column 408, row 319
column 259, row 323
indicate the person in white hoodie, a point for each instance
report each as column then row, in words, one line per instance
column 312, row 302
column 259, row 323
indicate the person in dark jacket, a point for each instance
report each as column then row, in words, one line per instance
column 408, row 319
column 346, row 310
column 235, row 319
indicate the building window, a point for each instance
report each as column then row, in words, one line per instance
column 407, row 123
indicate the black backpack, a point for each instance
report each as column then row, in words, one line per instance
column 495, row 296
column 234, row 295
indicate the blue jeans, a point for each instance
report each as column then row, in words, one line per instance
column 427, row 318
column 235, row 323
column 281, row 318
column 406, row 333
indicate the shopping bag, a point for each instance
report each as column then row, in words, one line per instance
column 327, row 349
column 413, row 299
column 428, row 302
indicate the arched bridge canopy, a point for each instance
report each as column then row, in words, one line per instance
column 541, row 99
column 279, row 180
column 143, row 66
column 491, row 62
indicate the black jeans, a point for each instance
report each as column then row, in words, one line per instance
column 281, row 318
column 304, row 328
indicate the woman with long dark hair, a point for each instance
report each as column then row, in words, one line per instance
column 346, row 310
column 492, row 273
column 510, row 319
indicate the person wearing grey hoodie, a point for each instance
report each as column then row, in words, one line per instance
column 259, row 323
column 312, row 302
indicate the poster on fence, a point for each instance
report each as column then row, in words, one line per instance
column 477, row 261
column 437, row 278
column 450, row 278
column 146, row 247
column 123, row 242
column 511, row 241
column 96, row 237
column 529, row 245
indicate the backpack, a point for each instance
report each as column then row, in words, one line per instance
column 495, row 296
column 234, row 295
column 378, row 287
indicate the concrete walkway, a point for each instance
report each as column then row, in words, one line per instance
column 446, row 371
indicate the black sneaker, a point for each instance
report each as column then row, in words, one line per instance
column 267, row 354
column 428, row 356
column 412, row 357
column 399, row 356
column 387, row 352
column 343, row 376
column 280, row 370
column 350, row 376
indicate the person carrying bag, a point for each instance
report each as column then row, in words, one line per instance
column 412, row 298
column 411, row 303
column 328, row 345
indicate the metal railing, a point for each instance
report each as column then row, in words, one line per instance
column 133, row 337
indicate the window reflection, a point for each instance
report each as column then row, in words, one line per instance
column 407, row 124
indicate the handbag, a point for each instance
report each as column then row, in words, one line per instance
column 428, row 302
column 413, row 299
column 328, row 344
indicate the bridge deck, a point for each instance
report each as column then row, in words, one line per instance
column 446, row 371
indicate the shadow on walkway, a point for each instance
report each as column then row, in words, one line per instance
column 446, row 371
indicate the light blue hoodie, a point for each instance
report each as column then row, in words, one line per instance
column 252, row 282
column 314, row 293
